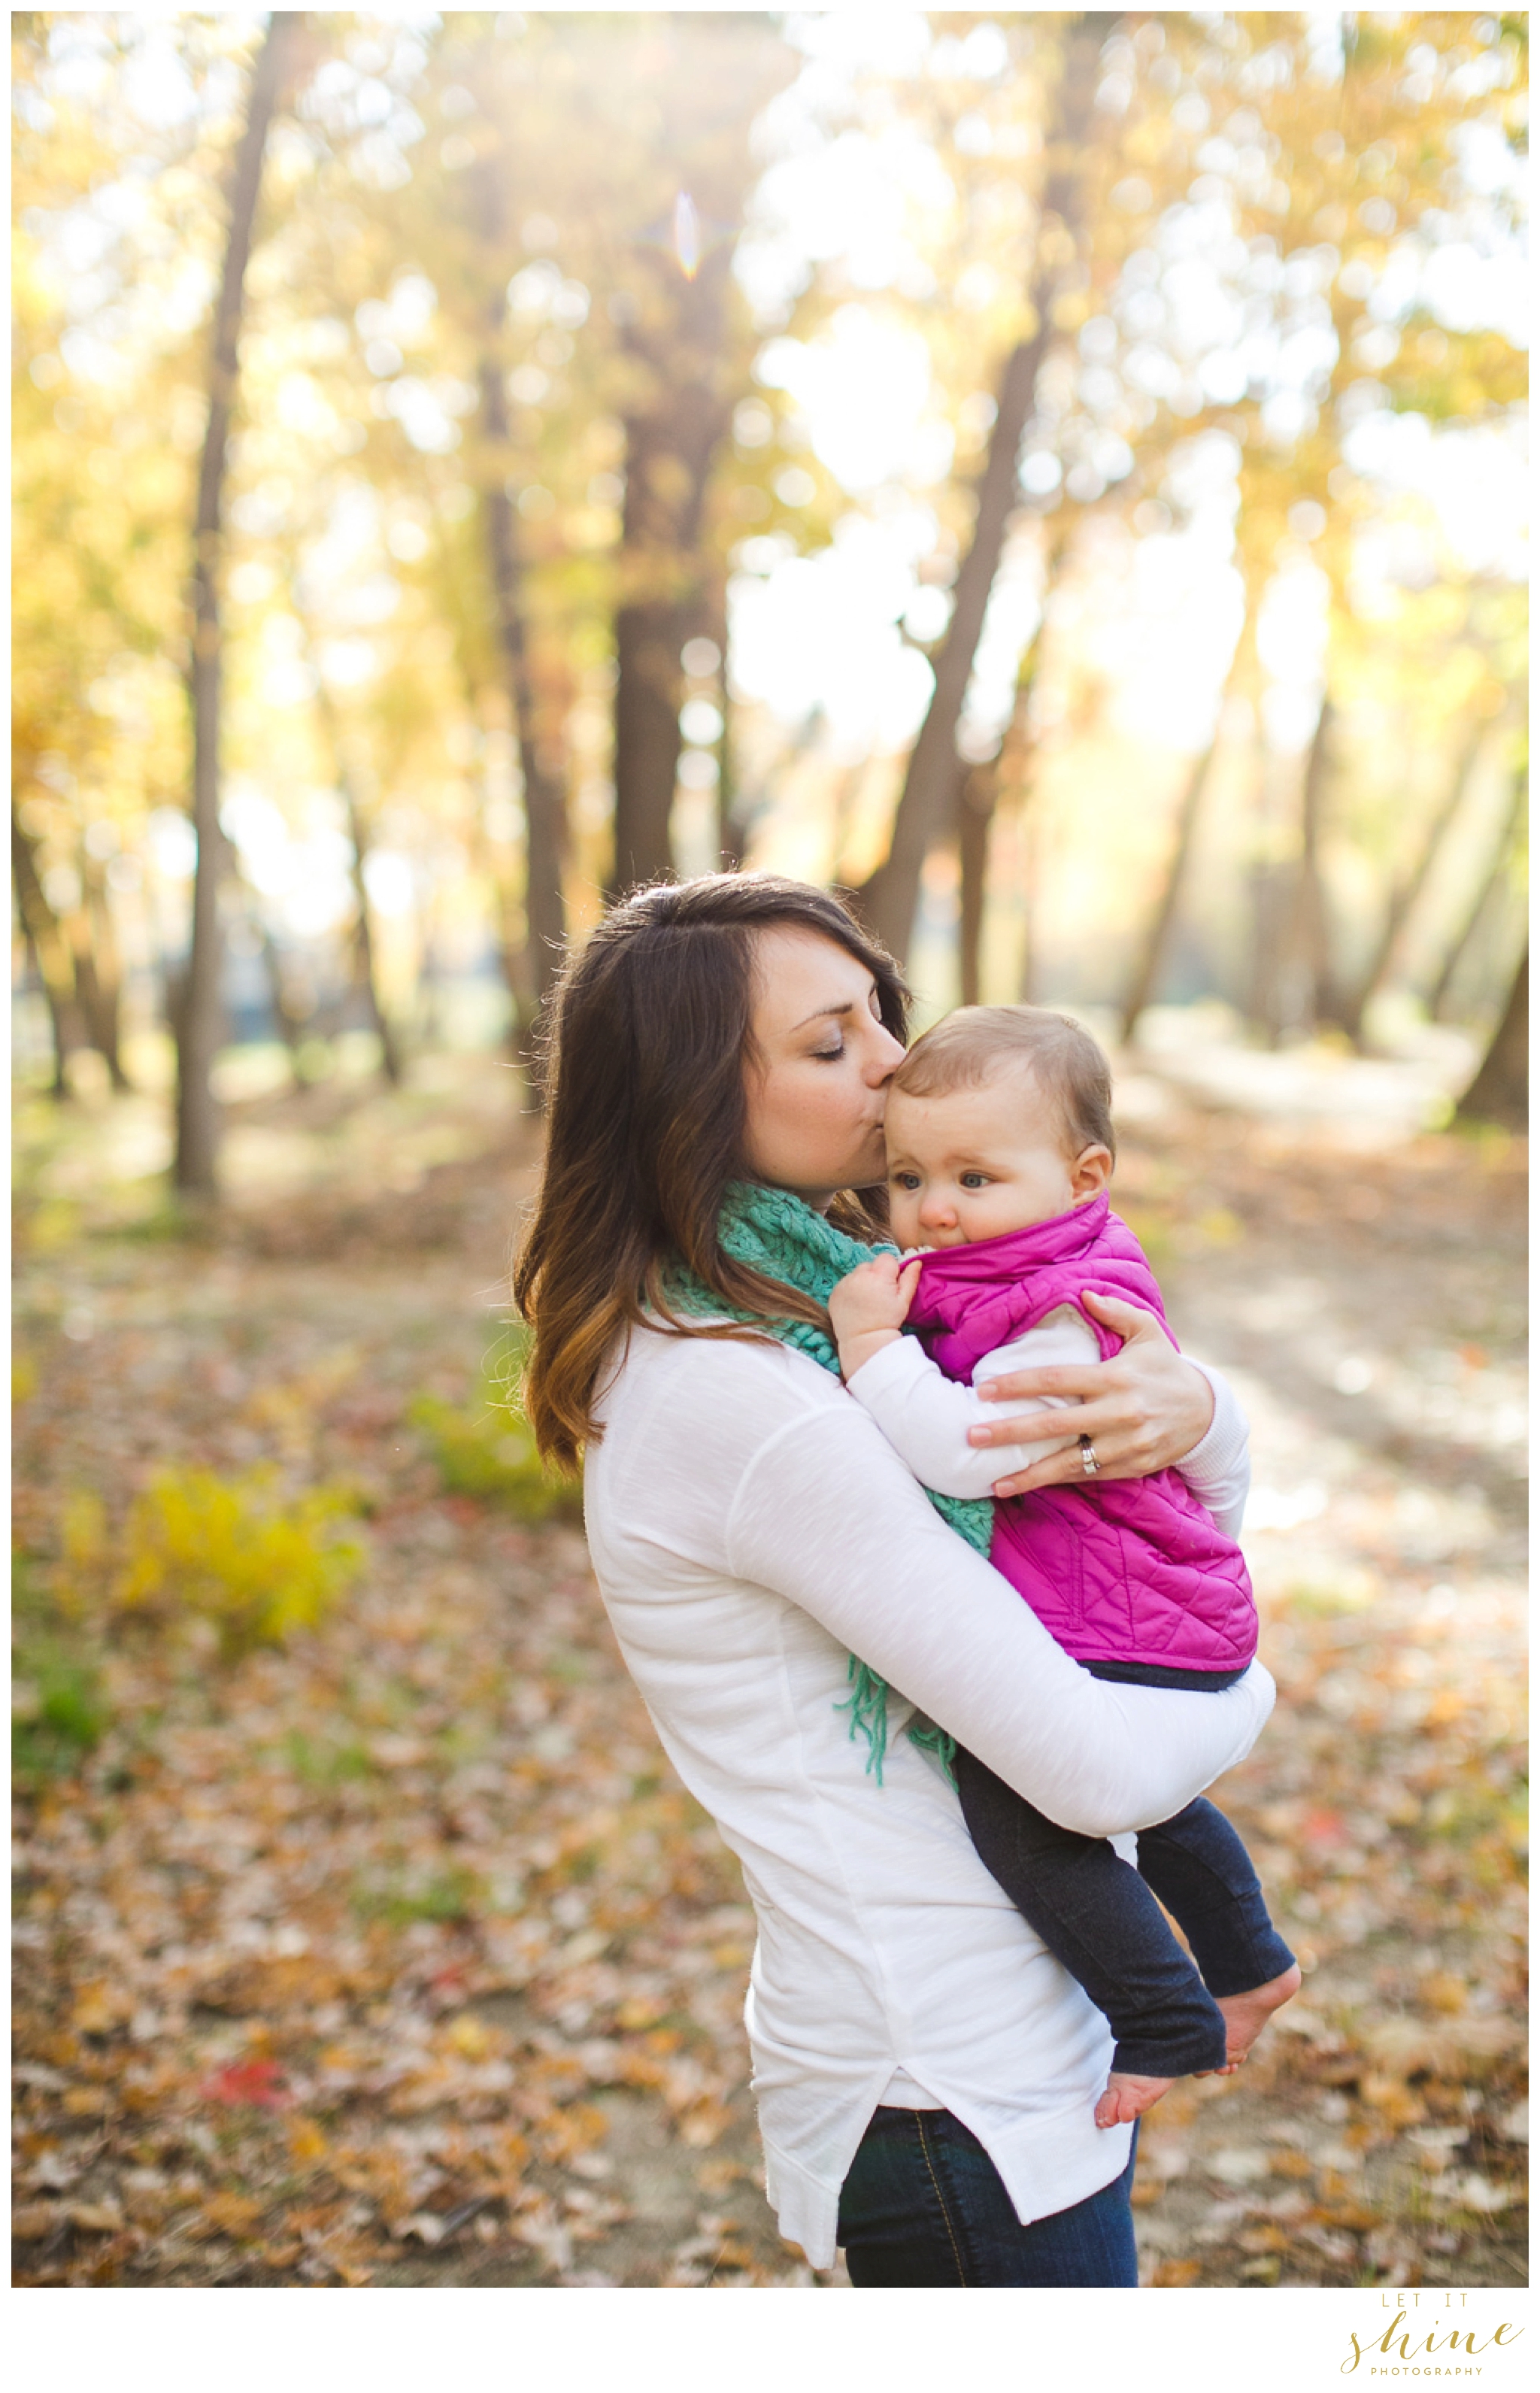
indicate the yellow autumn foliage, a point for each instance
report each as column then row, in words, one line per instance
column 486, row 1448
column 233, row 1552
column 85, row 1549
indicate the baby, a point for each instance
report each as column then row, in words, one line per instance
column 1000, row 1147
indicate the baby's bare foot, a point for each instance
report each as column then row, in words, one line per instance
column 1246, row 2015
column 1129, row 2098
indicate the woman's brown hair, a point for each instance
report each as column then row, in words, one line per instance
column 645, row 1104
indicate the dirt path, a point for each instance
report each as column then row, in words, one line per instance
column 398, row 1957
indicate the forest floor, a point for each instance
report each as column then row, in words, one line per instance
column 395, row 1953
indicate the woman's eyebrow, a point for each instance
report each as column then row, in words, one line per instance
column 823, row 1013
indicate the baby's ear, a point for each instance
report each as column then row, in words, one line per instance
column 1090, row 1172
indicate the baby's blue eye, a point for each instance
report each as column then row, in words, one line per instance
column 975, row 1180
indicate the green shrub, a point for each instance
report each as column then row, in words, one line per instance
column 486, row 1449
column 448, row 1896
column 59, row 1709
column 59, row 1713
column 230, row 1551
column 324, row 1761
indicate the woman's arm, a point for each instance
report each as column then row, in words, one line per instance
column 827, row 1516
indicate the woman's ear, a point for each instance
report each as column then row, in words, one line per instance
column 1089, row 1173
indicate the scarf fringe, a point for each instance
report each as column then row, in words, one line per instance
column 931, row 1739
column 868, row 1707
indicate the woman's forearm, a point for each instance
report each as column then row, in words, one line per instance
column 827, row 1516
column 1146, row 1755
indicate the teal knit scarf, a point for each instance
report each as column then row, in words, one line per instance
column 774, row 1233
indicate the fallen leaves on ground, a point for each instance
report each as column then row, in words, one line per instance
column 395, row 1954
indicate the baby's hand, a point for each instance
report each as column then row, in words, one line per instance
column 868, row 1308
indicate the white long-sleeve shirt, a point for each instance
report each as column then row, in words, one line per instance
column 750, row 1528
column 928, row 1417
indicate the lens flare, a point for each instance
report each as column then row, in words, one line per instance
column 686, row 236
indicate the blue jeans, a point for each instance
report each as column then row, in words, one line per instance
column 923, row 2204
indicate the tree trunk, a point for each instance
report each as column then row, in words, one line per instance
column 1405, row 895
column 1152, row 955
column 511, row 933
column 49, row 949
column 889, row 898
column 59, row 1086
column 978, row 789
column 292, row 1025
column 1030, row 850
column 1500, row 1090
column 429, row 1016
column 1439, row 993
column 731, row 828
column 979, row 795
column 198, row 1015
column 513, row 950
column 1027, row 963
column 99, row 974
column 1308, row 950
column 1270, row 901
column 669, row 451
column 544, row 794
column 98, row 993
column 364, row 976
column 647, row 640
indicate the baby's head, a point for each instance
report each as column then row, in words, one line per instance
column 999, row 1117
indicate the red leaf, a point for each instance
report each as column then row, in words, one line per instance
column 257, row 2083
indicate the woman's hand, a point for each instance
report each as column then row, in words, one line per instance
column 1142, row 1410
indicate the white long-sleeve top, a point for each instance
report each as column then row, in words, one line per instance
column 750, row 1528
column 928, row 1417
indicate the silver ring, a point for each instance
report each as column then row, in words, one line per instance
column 1088, row 1463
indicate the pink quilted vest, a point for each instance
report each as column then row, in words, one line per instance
column 1128, row 1571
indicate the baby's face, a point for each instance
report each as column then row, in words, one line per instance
column 977, row 1162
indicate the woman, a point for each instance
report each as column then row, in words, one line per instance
column 925, row 2072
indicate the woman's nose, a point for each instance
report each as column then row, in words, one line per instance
column 887, row 1055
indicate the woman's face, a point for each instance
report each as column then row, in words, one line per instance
column 817, row 1073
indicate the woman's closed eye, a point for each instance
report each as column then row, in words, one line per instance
column 828, row 1055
